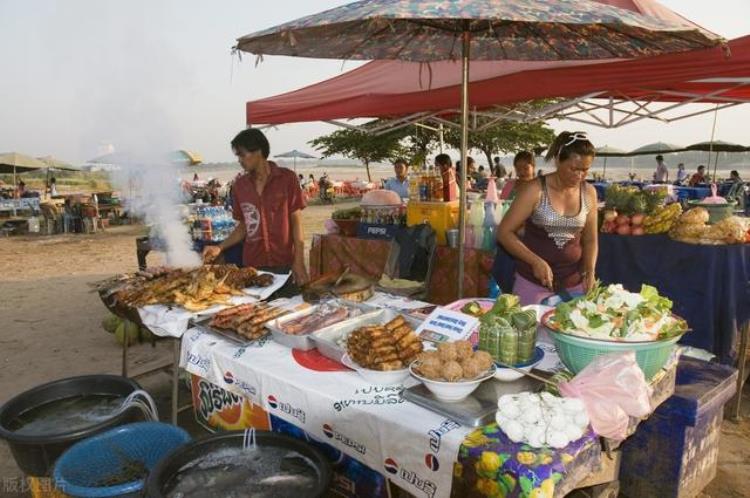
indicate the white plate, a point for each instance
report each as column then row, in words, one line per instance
column 382, row 378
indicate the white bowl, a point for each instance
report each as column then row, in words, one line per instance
column 452, row 392
column 379, row 377
column 505, row 374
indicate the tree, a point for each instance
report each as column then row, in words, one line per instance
column 356, row 144
column 503, row 136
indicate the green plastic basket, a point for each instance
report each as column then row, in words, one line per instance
column 577, row 352
column 716, row 212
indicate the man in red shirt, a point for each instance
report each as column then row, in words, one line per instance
column 267, row 203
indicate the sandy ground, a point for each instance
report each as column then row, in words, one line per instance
column 51, row 328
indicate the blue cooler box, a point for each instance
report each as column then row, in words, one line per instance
column 674, row 452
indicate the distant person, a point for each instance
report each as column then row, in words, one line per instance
column 661, row 175
column 400, row 182
column 481, row 174
column 450, row 187
column 53, row 187
column 499, row 171
column 540, row 173
column 699, row 177
column 312, row 179
column 734, row 177
column 523, row 164
column 21, row 189
column 301, row 180
column 682, row 174
column 195, row 177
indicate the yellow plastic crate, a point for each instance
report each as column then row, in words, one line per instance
column 441, row 216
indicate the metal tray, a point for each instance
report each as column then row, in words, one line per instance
column 325, row 339
column 476, row 410
column 228, row 334
column 303, row 341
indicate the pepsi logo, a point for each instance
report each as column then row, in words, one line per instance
column 272, row 402
column 432, row 462
column 228, row 378
column 391, row 466
column 328, row 430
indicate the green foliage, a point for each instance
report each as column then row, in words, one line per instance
column 507, row 137
column 365, row 147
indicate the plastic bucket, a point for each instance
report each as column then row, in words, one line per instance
column 108, row 464
column 35, row 455
column 166, row 470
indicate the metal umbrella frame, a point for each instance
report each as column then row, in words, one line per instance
column 425, row 31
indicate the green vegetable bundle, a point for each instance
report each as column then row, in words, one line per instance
column 507, row 332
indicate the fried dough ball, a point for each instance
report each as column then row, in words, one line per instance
column 484, row 359
column 471, row 368
column 432, row 372
column 452, row 371
column 447, row 351
column 464, row 350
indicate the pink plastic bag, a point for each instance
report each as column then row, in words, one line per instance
column 613, row 389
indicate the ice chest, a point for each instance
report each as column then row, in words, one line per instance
column 674, row 453
column 441, row 216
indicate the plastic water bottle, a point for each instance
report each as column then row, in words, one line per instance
column 488, row 229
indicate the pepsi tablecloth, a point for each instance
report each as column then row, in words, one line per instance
column 710, row 285
column 417, row 450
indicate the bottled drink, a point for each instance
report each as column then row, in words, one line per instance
column 424, row 189
column 437, row 187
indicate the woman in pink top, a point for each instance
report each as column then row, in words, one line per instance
column 524, row 165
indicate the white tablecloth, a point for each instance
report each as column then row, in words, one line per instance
column 412, row 446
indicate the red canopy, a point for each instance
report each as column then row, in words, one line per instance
column 394, row 88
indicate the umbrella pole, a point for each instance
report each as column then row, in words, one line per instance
column 604, row 173
column 464, row 153
column 46, row 182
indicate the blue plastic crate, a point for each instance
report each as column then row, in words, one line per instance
column 674, row 452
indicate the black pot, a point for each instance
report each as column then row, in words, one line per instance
column 165, row 470
column 36, row 455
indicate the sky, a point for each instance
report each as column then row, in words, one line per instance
column 81, row 74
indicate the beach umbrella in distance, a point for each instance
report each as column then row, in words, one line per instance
column 656, row 148
column 295, row 154
column 14, row 162
column 608, row 151
column 436, row 30
column 717, row 146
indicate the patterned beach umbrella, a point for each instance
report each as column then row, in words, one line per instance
column 295, row 154
column 434, row 30
column 424, row 31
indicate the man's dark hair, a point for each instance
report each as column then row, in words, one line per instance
column 400, row 161
column 659, row 157
column 524, row 156
column 734, row 172
column 252, row 139
column 497, row 159
column 443, row 160
column 481, row 168
column 701, row 167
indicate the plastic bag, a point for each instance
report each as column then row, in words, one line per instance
column 613, row 388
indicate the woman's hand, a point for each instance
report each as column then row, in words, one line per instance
column 543, row 273
column 589, row 281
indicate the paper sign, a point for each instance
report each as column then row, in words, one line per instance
column 444, row 325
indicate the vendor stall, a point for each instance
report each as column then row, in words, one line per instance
column 710, row 285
